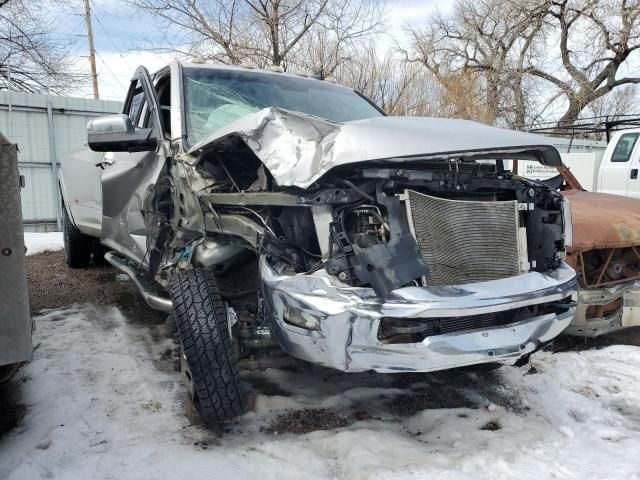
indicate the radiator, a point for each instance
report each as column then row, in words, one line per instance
column 466, row 241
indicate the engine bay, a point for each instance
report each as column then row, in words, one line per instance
column 356, row 223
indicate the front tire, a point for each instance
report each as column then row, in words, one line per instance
column 201, row 318
column 77, row 245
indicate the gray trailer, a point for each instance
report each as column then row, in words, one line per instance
column 15, row 318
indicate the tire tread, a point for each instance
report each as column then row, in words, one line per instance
column 77, row 245
column 201, row 318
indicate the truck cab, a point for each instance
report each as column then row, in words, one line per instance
column 618, row 172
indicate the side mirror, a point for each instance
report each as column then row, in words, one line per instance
column 116, row 133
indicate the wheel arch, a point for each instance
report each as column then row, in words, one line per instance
column 63, row 199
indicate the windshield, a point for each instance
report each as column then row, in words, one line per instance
column 214, row 98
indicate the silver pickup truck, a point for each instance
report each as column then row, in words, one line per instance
column 261, row 207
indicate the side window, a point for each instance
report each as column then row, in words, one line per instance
column 624, row 147
column 136, row 104
column 163, row 89
column 143, row 119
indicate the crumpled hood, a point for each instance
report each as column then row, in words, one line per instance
column 298, row 148
column 601, row 220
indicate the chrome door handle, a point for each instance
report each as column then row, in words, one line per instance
column 104, row 163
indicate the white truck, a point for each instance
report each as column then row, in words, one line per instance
column 615, row 171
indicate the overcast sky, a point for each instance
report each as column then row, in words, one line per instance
column 119, row 32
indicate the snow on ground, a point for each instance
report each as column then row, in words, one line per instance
column 43, row 242
column 104, row 401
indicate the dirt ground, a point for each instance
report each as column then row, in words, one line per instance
column 52, row 286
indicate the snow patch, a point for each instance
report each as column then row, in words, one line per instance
column 43, row 242
column 105, row 402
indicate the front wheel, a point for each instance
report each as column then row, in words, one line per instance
column 201, row 318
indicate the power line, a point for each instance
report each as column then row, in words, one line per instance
column 111, row 39
column 110, row 71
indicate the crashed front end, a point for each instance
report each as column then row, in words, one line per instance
column 414, row 282
column 417, row 328
column 384, row 245
column 606, row 255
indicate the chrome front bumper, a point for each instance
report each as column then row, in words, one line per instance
column 346, row 320
column 628, row 315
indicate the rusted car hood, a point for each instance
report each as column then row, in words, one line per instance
column 603, row 221
column 298, row 148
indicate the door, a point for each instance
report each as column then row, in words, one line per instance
column 633, row 183
column 617, row 169
column 128, row 177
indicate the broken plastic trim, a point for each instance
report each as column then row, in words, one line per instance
column 387, row 266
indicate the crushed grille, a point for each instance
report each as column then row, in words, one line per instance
column 420, row 328
column 413, row 330
column 464, row 241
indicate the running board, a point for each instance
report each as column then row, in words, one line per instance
column 153, row 300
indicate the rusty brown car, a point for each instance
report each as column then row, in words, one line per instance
column 605, row 253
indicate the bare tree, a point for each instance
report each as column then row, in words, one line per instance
column 399, row 88
column 485, row 43
column 266, row 32
column 595, row 41
column 342, row 34
column 30, row 59
column 615, row 104
column 283, row 24
column 212, row 30
column 577, row 49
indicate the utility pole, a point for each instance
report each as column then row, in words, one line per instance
column 92, row 52
column 9, row 86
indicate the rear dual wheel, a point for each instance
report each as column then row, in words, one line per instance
column 80, row 249
column 77, row 245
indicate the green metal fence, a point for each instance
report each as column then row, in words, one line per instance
column 46, row 128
